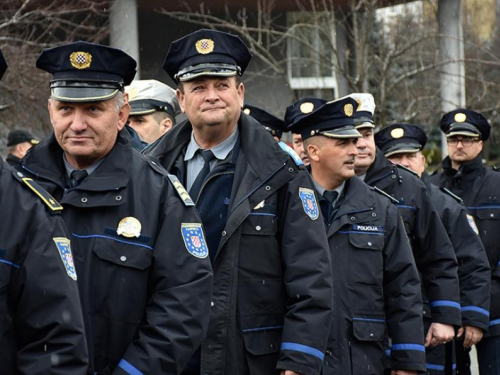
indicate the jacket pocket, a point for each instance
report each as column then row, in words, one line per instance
column 368, row 348
column 369, row 329
column 366, row 258
column 119, row 282
column 263, row 340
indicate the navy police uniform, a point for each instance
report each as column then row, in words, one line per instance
column 139, row 247
column 272, row 281
column 376, row 284
column 478, row 185
column 40, row 315
column 473, row 267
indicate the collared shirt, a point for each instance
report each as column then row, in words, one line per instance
column 320, row 189
column 195, row 162
column 70, row 168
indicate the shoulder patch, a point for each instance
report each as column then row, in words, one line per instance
column 192, row 234
column 408, row 169
column 180, row 190
column 64, row 247
column 380, row 191
column 448, row 192
column 309, row 202
column 290, row 151
column 50, row 201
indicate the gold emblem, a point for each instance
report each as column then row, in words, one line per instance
column 306, row 107
column 397, row 133
column 80, row 60
column 348, row 110
column 132, row 93
column 129, row 227
column 246, row 111
column 460, row 117
column 205, row 46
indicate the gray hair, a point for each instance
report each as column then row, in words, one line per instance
column 119, row 99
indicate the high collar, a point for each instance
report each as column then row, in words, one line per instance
column 469, row 169
column 380, row 169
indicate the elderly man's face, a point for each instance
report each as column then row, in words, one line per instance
column 87, row 131
column 212, row 101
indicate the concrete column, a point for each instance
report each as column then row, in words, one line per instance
column 451, row 48
column 124, row 30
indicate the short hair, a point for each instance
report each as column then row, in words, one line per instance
column 159, row 116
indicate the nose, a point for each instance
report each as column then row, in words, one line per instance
column 79, row 121
column 353, row 150
column 360, row 144
column 212, row 94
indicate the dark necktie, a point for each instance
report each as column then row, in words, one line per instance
column 328, row 210
column 208, row 156
column 77, row 176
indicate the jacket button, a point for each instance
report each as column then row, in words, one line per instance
column 268, row 187
column 369, row 243
column 84, row 200
column 492, row 215
column 212, row 304
column 19, row 174
column 224, row 233
column 374, row 214
column 353, row 218
column 272, row 346
column 371, row 335
column 118, row 197
column 123, row 258
column 258, row 227
column 393, row 176
column 290, row 170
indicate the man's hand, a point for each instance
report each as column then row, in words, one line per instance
column 439, row 334
column 288, row 372
column 472, row 335
column 403, row 372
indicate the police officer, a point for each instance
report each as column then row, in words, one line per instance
column 376, row 288
column 18, row 144
column 403, row 144
column 433, row 252
column 140, row 250
column 271, row 123
column 465, row 175
column 272, row 280
column 40, row 314
column 153, row 107
column 293, row 113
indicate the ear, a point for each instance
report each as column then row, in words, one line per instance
column 313, row 151
column 241, row 93
column 480, row 145
column 165, row 125
column 180, row 98
column 123, row 113
column 50, row 108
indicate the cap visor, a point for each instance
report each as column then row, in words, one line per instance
column 402, row 150
column 349, row 132
column 463, row 132
column 365, row 125
column 83, row 94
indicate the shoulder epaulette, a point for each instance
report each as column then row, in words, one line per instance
column 43, row 194
column 407, row 169
column 290, row 151
column 448, row 192
column 180, row 190
column 495, row 168
column 380, row 191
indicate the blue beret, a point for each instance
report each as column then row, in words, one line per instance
column 400, row 139
column 465, row 122
column 271, row 123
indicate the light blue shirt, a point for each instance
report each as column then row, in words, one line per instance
column 320, row 189
column 70, row 168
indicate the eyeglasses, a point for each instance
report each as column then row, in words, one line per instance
column 466, row 142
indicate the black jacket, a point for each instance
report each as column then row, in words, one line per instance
column 41, row 323
column 433, row 252
column 272, row 304
column 376, row 288
column 13, row 160
column 145, row 299
column 478, row 186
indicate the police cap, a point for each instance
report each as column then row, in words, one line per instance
column 206, row 53
column 400, row 139
column 86, row 72
column 334, row 120
column 20, row 136
column 465, row 122
column 3, row 64
column 149, row 96
column 363, row 116
column 301, row 108
column 271, row 123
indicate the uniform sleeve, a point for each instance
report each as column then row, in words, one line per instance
column 49, row 316
column 403, row 300
column 308, row 283
column 437, row 263
column 473, row 271
column 177, row 314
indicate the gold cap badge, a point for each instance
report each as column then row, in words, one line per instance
column 348, row 110
column 306, row 107
column 80, row 60
column 246, row 111
column 397, row 133
column 460, row 117
column 205, row 46
column 129, row 227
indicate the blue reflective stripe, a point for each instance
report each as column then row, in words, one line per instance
column 111, row 238
column 10, row 263
column 302, row 348
column 417, row 347
column 361, row 232
column 430, row 366
column 261, row 328
column 498, row 263
column 454, row 366
column 476, row 309
column 482, row 207
column 129, row 368
column 369, row 320
column 388, row 353
column 494, row 322
column 445, row 303
column 262, row 214
column 403, row 206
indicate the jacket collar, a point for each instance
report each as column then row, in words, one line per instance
column 469, row 169
column 380, row 169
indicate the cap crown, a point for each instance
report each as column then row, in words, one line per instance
column 464, row 121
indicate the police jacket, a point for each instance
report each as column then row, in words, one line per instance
column 272, row 299
column 376, row 288
column 478, row 186
column 12, row 160
column 433, row 252
column 473, row 266
column 41, row 323
column 145, row 290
